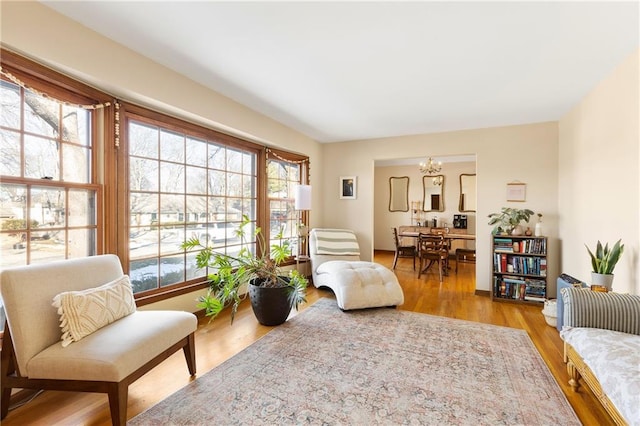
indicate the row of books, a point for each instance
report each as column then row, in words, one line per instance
column 528, row 246
column 519, row 264
column 519, row 289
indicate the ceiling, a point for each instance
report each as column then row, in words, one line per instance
column 338, row 71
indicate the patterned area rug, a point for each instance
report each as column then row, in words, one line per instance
column 375, row 366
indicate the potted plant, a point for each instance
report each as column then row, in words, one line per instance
column 603, row 261
column 509, row 219
column 272, row 291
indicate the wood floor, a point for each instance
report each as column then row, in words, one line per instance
column 218, row 341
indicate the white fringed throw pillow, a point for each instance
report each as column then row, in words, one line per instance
column 83, row 312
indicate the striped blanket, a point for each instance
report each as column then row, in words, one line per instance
column 336, row 242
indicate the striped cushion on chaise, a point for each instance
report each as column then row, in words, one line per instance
column 336, row 242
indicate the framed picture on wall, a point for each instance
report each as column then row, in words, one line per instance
column 516, row 191
column 348, row 187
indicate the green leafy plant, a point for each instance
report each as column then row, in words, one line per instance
column 604, row 260
column 230, row 272
column 509, row 218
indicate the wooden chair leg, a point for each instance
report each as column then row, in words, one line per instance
column 7, row 368
column 6, row 398
column 395, row 260
column 190, row 354
column 118, row 396
column 574, row 376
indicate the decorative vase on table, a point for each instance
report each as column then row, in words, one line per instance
column 605, row 280
column 517, row 230
column 538, row 229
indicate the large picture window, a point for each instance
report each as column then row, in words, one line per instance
column 183, row 185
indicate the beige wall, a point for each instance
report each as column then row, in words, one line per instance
column 526, row 153
column 599, row 180
column 39, row 33
column 602, row 130
column 384, row 220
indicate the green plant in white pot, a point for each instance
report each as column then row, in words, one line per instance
column 508, row 220
column 272, row 291
column 603, row 262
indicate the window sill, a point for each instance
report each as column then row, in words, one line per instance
column 146, row 299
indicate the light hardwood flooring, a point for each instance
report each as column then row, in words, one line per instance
column 219, row 341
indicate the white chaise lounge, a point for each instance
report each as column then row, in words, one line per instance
column 336, row 264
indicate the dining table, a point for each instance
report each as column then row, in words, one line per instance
column 447, row 236
column 414, row 232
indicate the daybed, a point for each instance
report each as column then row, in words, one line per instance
column 336, row 264
column 92, row 340
column 601, row 334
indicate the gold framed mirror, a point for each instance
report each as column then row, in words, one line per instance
column 399, row 194
column 467, row 193
column 432, row 193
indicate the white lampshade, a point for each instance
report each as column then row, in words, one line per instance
column 302, row 196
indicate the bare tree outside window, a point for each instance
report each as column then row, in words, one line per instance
column 43, row 140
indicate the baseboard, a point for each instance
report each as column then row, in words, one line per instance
column 483, row 293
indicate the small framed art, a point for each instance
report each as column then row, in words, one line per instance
column 348, row 187
column 516, row 191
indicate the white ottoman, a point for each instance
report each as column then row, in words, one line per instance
column 359, row 284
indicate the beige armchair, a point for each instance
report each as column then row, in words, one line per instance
column 104, row 360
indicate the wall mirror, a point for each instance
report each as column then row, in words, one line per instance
column 432, row 189
column 467, row 193
column 399, row 194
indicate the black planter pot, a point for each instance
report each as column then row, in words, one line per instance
column 270, row 304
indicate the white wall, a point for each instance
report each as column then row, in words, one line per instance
column 599, row 179
column 527, row 153
column 384, row 220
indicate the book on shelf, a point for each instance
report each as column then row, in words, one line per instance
column 520, row 274
column 503, row 245
column 543, row 267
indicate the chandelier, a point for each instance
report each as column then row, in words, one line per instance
column 430, row 167
column 437, row 181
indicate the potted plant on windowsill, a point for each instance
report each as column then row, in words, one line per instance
column 508, row 220
column 272, row 291
column 603, row 261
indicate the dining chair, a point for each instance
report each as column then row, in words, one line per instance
column 403, row 250
column 432, row 248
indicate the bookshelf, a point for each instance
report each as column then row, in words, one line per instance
column 519, row 269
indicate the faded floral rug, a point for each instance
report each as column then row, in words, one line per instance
column 374, row 366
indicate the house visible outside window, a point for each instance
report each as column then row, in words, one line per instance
column 284, row 172
column 48, row 199
column 182, row 186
